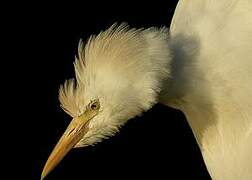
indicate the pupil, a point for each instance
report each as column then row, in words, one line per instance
column 93, row 106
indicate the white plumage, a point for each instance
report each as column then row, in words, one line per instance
column 117, row 68
column 202, row 66
column 215, row 83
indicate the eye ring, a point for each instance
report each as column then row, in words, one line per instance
column 94, row 105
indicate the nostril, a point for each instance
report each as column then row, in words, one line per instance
column 71, row 132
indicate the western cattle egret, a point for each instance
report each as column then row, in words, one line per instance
column 202, row 66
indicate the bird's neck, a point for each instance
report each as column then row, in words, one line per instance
column 192, row 91
column 184, row 90
column 182, row 67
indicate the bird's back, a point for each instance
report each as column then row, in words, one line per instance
column 211, row 43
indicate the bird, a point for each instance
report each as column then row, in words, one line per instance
column 201, row 65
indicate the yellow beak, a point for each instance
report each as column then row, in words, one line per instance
column 73, row 134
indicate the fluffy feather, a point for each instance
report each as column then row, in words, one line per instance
column 121, row 67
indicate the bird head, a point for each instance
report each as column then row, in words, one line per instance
column 118, row 75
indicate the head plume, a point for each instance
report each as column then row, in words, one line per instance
column 121, row 67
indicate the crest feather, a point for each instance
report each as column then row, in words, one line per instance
column 120, row 61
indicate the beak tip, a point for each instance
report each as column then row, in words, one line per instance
column 43, row 174
column 42, row 177
column 67, row 141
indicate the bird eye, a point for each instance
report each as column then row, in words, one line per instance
column 94, row 105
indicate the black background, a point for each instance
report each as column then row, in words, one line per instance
column 43, row 41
